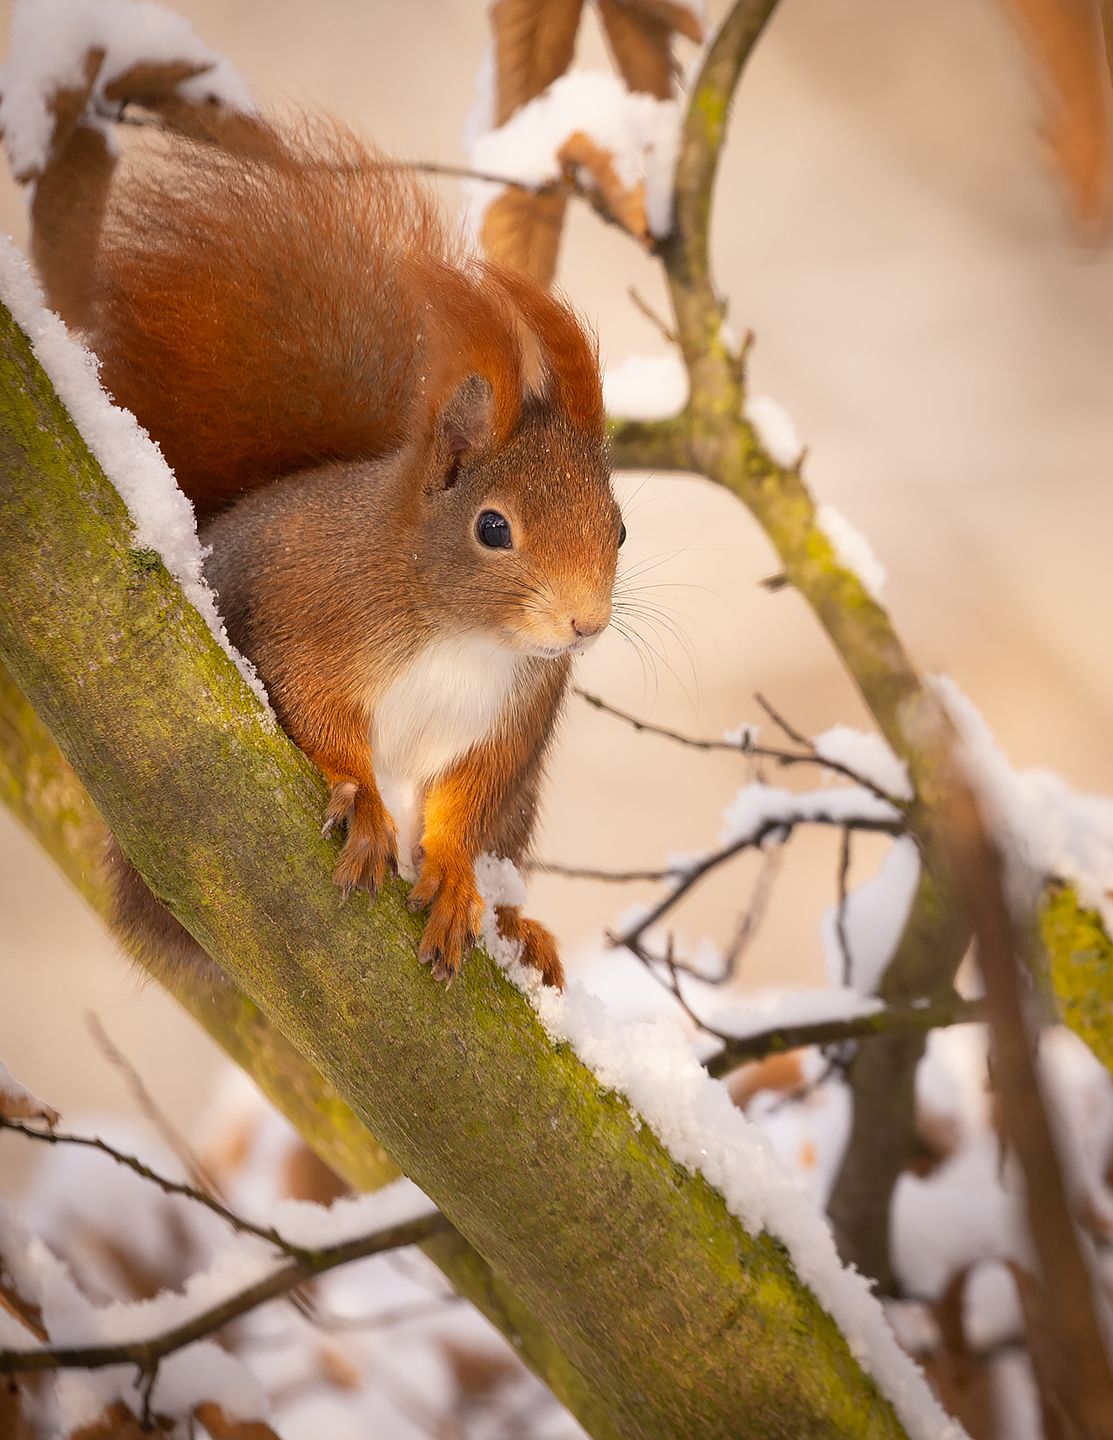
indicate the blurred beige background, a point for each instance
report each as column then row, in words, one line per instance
column 888, row 227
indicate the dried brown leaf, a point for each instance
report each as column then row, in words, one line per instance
column 534, row 43
column 641, row 47
column 14, row 1424
column 20, row 1308
column 337, row 1368
column 580, row 153
column 222, row 1426
column 522, row 232
column 479, row 1373
column 149, row 81
column 1067, row 44
column 674, row 13
column 305, row 1176
column 120, row 1423
column 782, row 1073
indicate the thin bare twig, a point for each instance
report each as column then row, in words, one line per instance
column 166, row 1185
column 776, row 1039
column 780, row 827
column 806, row 755
column 840, row 909
column 199, row 1176
column 661, row 326
column 588, row 872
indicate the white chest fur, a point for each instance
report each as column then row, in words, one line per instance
column 449, row 698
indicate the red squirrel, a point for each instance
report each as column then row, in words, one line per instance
column 399, row 457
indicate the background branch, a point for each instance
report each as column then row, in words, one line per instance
column 147, row 1354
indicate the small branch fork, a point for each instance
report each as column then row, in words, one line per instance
column 777, row 828
column 807, row 754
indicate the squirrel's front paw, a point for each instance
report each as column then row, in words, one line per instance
column 446, row 888
column 369, row 853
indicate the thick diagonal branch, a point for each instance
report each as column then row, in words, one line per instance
column 552, row 1179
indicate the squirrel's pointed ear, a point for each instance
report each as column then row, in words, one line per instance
column 464, row 423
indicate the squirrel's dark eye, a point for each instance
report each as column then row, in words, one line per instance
column 621, row 536
column 493, row 530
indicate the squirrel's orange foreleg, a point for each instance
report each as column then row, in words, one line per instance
column 369, row 855
column 464, row 816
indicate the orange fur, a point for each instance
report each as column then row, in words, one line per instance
column 343, row 396
column 295, row 300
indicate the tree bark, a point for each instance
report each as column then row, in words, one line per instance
column 679, row 1321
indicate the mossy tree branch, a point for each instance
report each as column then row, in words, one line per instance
column 634, row 1269
column 711, row 437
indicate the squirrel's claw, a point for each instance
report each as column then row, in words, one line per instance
column 446, row 888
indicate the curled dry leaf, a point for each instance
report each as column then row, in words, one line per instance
column 120, row 1423
column 640, row 35
column 222, row 1426
column 1067, row 44
column 781, row 1073
column 18, row 1103
column 580, row 155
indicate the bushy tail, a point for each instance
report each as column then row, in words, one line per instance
column 251, row 304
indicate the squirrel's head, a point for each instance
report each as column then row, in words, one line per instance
column 520, row 533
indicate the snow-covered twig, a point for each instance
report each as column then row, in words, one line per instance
column 147, row 1353
column 917, row 1019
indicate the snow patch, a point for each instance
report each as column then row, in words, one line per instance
column 49, row 42
column 852, row 550
column 874, row 919
column 757, row 807
column 161, row 514
column 868, row 755
column 639, row 132
column 1048, row 829
column 646, row 387
column 775, row 431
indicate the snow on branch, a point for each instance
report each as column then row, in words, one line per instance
column 51, row 42
column 155, row 1354
column 588, row 125
column 652, row 1065
column 161, row 515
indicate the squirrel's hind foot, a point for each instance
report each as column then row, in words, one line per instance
column 539, row 949
column 369, row 855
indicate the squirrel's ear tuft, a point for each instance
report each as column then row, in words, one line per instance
column 465, row 423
